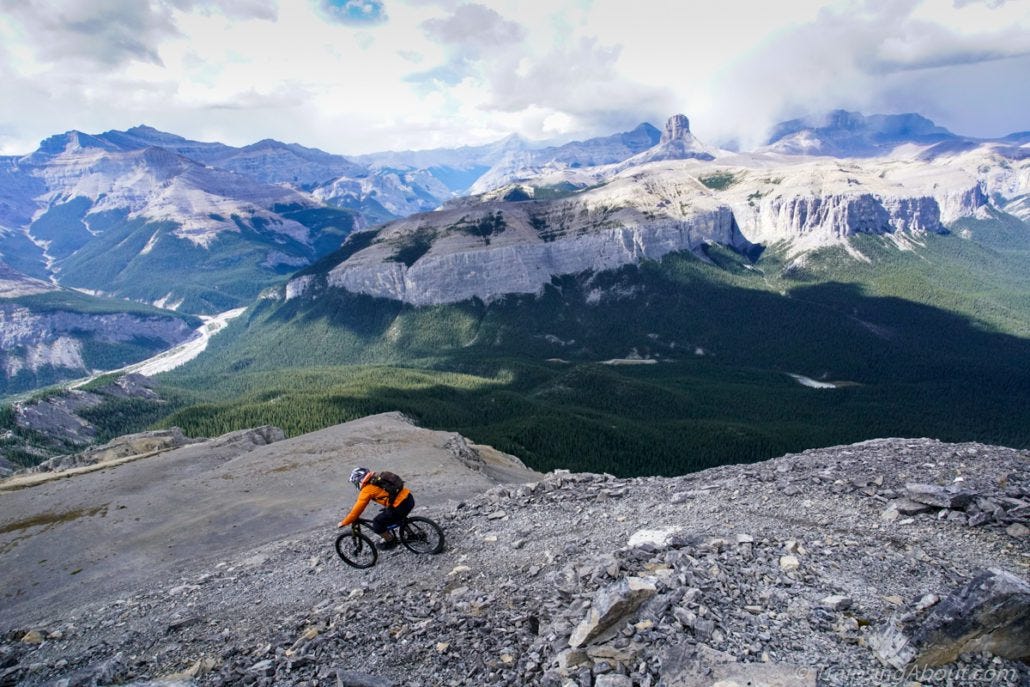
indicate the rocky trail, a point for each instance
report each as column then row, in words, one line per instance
column 836, row 566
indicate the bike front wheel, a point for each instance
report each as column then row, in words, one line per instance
column 422, row 535
column 356, row 550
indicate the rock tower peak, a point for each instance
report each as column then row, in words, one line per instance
column 676, row 128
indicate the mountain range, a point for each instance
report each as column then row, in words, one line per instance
column 833, row 253
column 578, row 356
column 121, row 212
column 679, row 195
column 147, row 204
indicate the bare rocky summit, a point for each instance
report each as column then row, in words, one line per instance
column 803, row 570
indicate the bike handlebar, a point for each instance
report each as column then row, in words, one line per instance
column 360, row 521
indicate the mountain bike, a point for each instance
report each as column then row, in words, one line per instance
column 417, row 534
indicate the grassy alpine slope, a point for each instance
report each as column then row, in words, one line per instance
column 929, row 342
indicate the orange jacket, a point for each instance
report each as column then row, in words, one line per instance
column 371, row 492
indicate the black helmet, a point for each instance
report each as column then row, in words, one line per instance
column 357, row 475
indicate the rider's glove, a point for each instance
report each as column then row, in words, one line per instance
column 342, row 524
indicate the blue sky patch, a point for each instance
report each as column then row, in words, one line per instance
column 354, row 12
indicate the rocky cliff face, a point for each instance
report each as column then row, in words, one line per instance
column 654, row 207
column 496, row 271
column 31, row 339
column 502, row 248
column 813, row 203
column 840, row 216
column 967, row 202
column 803, row 571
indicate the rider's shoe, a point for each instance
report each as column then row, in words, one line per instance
column 387, row 545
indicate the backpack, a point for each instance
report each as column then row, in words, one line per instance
column 390, row 482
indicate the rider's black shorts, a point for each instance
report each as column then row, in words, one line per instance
column 392, row 516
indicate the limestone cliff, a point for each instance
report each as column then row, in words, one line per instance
column 841, row 215
column 500, row 248
column 510, row 241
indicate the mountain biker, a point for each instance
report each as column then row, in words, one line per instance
column 392, row 513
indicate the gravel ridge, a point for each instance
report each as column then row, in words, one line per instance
column 794, row 563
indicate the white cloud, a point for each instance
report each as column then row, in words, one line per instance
column 111, row 32
column 360, row 75
column 581, row 81
column 107, row 33
column 475, row 29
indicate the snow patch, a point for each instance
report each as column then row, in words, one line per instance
column 12, row 366
column 811, row 383
column 632, row 358
column 150, row 244
column 163, row 300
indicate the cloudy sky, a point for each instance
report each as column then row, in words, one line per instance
column 353, row 76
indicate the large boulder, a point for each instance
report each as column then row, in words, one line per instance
column 990, row 613
column 611, row 605
column 246, row 439
column 941, row 497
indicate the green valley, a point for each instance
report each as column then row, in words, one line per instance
column 661, row 368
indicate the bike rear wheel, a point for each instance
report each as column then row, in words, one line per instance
column 422, row 535
column 356, row 549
